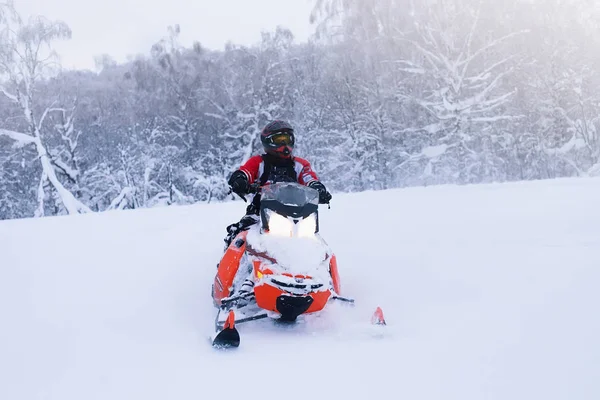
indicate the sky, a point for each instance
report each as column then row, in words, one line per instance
column 123, row 28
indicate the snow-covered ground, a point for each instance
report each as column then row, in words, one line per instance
column 490, row 292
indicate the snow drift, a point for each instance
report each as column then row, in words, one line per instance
column 490, row 292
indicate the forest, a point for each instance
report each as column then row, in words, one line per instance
column 387, row 94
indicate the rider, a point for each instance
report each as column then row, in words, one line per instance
column 277, row 165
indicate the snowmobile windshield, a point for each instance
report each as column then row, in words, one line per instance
column 290, row 199
column 290, row 194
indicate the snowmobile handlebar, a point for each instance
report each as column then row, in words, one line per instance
column 252, row 189
column 255, row 188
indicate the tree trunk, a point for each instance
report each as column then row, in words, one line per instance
column 72, row 205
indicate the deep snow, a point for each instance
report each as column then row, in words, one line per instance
column 490, row 292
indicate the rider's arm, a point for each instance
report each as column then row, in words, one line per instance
column 308, row 177
column 305, row 171
column 251, row 168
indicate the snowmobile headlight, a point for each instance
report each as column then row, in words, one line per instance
column 280, row 225
column 307, row 226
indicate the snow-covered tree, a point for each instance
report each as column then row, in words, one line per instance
column 392, row 93
column 461, row 88
column 560, row 86
column 252, row 88
column 25, row 56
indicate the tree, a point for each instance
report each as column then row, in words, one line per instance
column 460, row 86
column 25, row 56
column 252, row 87
column 393, row 93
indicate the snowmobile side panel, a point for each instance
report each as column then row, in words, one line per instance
column 266, row 296
column 320, row 300
column 228, row 267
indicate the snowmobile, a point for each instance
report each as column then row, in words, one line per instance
column 289, row 267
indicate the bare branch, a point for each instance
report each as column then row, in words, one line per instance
column 46, row 111
column 11, row 96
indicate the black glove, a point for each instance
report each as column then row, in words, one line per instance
column 239, row 183
column 324, row 195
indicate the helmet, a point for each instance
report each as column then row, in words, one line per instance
column 278, row 139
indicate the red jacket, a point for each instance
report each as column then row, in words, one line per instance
column 255, row 166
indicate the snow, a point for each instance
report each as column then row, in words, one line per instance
column 490, row 292
column 594, row 170
column 574, row 143
column 21, row 139
column 434, row 151
column 303, row 256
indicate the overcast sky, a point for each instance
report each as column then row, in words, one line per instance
column 123, row 27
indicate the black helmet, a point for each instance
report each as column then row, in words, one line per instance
column 278, row 139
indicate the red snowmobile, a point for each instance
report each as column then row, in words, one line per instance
column 290, row 268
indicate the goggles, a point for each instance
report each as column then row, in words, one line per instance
column 281, row 139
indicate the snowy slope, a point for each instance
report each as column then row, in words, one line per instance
column 490, row 292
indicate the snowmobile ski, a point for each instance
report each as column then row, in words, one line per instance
column 378, row 318
column 228, row 337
